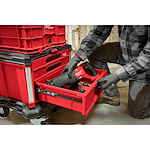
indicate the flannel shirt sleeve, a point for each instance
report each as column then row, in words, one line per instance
column 93, row 40
column 137, row 65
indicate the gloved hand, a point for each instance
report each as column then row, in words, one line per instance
column 107, row 81
column 71, row 65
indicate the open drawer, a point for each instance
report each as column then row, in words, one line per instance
column 71, row 99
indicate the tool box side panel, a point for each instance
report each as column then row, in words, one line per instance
column 13, row 81
column 93, row 93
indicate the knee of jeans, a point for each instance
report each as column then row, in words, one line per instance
column 137, row 114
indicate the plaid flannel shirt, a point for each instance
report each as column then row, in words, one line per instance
column 135, row 45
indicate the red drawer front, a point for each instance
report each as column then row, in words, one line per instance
column 49, row 67
column 54, row 55
column 81, row 102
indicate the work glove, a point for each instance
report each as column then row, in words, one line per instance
column 71, row 65
column 107, row 81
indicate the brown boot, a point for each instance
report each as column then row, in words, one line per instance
column 115, row 100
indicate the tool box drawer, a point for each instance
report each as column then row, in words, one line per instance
column 49, row 67
column 71, row 99
column 54, row 55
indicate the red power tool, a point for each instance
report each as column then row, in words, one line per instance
column 85, row 71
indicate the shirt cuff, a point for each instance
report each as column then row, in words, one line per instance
column 78, row 57
column 123, row 74
column 82, row 57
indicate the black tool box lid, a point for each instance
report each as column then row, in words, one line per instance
column 27, row 59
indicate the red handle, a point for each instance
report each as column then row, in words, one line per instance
column 54, row 51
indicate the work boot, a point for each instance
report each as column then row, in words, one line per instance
column 114, row 100
column 110, row 96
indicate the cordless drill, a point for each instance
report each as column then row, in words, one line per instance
column 84, row 71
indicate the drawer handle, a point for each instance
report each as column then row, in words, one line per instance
column 53, row 66
column 53, row 57
column 53, row 51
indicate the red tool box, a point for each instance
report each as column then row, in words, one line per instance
column 30, row 39
column 19, row 72
column 30, row 55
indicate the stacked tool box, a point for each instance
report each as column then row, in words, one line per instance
column 31, row 54
column 31, row 39
column 28, row 53
column 19, row 72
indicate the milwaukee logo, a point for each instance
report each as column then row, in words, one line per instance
column 48, row 27
column 65, row 54
column 79, row 73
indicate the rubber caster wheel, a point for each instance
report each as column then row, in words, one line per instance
column 5, row 112
column 39, row 121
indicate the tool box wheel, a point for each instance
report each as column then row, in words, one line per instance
column 5, row 112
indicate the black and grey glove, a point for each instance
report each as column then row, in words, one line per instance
column 107, row 81
column 71, row 65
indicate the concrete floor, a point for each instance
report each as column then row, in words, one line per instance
column 101, row 114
